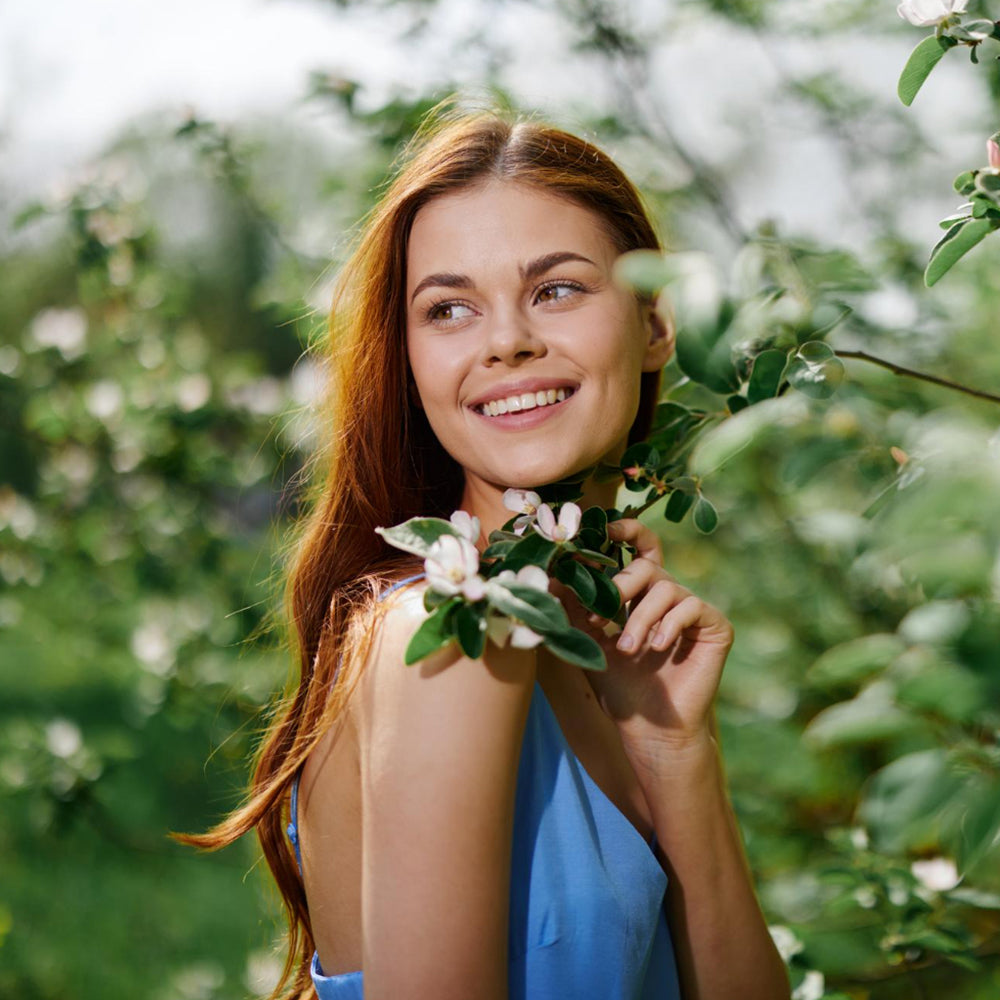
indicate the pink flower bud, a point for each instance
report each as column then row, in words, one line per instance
column 993, row 151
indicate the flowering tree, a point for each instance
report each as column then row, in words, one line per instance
column 828, row 419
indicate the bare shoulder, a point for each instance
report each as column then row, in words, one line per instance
column 446, row 679
column 440, row 742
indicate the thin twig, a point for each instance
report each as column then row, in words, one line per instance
column 924, row 376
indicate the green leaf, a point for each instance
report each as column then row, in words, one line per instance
column 855, row 660
column 28, row 214
column 645, row 270
column 499, row 549
column 871, row 717
column 735, row 403
column 965, row 182
column 572, row 573
column 470, row 626
column 918, row 67
column 954, row 245
column 578, row 648
column 538, row 610
column 678, row 505
column 418, row 534
column 592, row 555
column 705, row 516
column 532, row 550
column 766, row 375
column 901, row 802
column 815, row 370
column 979, row 825
column 435, row 632
column 705, row 354
column 595, row 519
column 608, row 599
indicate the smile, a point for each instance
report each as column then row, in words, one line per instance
column 523, row 401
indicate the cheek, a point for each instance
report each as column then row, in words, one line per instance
column 434, row 372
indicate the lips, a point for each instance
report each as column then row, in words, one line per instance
column 506, row 390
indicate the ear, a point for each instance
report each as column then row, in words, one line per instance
column 658, row 319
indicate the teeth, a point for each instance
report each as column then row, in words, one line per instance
column 525, row 401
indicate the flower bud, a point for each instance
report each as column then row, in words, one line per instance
column 993, row 150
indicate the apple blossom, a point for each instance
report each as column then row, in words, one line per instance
column 500, row 628
column 937, row 874
column 567, row 527
column 927, row 13
column 993, row 151
column 525, row 503
column 452, row 567
column 466, row 525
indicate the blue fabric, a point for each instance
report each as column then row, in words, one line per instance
column 587, row 915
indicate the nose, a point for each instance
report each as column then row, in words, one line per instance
column 510, row 339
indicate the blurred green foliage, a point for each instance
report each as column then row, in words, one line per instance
column 156, row 416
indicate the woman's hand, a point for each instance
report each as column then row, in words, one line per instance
column 664, row 667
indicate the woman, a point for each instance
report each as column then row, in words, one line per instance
column 472, row 828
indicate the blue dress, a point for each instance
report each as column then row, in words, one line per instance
column 587, row 914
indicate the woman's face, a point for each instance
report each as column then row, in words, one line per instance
column 511, row 307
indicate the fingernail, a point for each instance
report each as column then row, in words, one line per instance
column 594, row 619
column 626, row 642
column 658, row 641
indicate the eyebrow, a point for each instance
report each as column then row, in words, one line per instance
column 529, row 271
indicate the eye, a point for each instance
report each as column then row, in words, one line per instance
column 547, row 293
column 446, row 311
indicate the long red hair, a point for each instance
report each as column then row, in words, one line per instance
column 381, row 464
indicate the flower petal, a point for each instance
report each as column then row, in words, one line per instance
column 466, row 525
column 532, row 576
column 521, row 501
column 570, row 517
column 521, row 637
column 546, row 521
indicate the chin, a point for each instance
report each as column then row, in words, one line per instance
column 530, row 477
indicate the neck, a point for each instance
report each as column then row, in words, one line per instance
column 485, row 501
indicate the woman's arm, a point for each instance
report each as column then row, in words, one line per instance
column 721, row 940
column 440, row 744
column 663, row 674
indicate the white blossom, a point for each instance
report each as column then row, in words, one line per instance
column 926, row 13
column 937, row 874
column 785, row 941
column 452, row 567
column 567, row 526
column 500, row 628
column 812, row 987
column 466, row 525
column 525, row 503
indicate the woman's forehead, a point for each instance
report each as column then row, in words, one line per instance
column 502, row 220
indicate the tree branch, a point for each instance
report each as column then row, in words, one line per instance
column 924, row 376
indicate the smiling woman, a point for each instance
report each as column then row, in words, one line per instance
column 502, row 825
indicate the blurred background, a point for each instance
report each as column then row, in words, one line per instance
column 177, row 188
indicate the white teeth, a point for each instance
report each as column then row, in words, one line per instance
column 524, row 401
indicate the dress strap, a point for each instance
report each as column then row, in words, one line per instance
column 292, row 829
column 399, row 583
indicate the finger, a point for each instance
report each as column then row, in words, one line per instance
column 637, row 576
column 649, row 612
column 690, row 612
column 635, row 533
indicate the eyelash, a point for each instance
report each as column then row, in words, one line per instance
column 429, row 314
